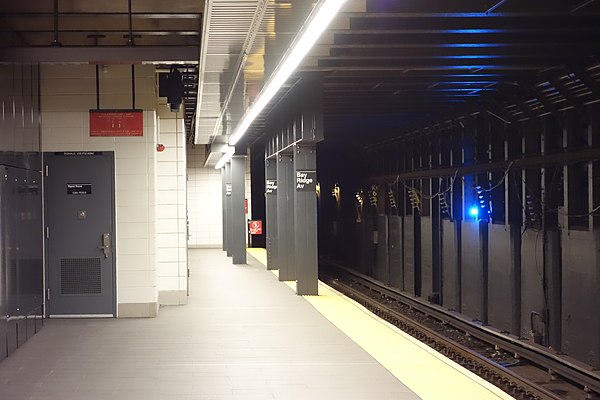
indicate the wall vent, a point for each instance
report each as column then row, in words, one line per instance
column 80, row 276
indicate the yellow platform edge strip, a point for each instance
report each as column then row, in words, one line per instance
column 423, row 370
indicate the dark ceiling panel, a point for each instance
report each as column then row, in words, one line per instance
column 407, row 64
column 397, row 66
column 99, row 31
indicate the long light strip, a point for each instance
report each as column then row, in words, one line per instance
column 225, row 157
column 317, row 22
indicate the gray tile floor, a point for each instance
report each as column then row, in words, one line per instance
column 243, row 335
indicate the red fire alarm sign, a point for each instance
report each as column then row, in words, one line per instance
column 255, row 227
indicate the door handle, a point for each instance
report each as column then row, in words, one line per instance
column 105, row 244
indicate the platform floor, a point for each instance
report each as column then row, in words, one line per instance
column 429, row 374
column 243, row 335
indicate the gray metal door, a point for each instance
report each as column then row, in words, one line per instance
column 79, row 190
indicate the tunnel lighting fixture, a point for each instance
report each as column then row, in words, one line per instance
column 320, row 17
column 317, row 22
column 226, row 157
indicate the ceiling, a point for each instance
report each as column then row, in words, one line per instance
column 390, row 67
column 401, row 66
column 108, row 31
column 100, row 23
column 242, row 42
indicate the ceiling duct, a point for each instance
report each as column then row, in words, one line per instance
column 228, row 38
column 214, row 152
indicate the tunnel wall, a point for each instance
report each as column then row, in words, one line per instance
column 503, row 227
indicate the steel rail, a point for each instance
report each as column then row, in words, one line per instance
column 496, row 374
column 589, row 380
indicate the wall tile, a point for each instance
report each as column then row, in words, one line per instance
column 132, row 230
column 137, row 183
column 172, row 283
column 140, row 278
column 171, row 203
column 133, row 261
column 167, row 168
column 52, row 71
column 133, row 246
column 67, row 103
column 168, row 226
column 131, row 150
column 138, row 294
column 70, row 86
column 127, row 166
column 170, row 240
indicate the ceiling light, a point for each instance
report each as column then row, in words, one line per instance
column 317, row 22
column 226, row 157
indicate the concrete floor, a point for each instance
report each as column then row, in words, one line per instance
column 243, row 335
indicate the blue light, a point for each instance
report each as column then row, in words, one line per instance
column 471, row 31
column 473, row 212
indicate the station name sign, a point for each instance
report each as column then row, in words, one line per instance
column 306, row 181
column 271, row 186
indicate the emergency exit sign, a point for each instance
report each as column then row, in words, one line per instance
column 255, row 227
column 116, row 123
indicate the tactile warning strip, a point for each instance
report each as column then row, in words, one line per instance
column 429, row 374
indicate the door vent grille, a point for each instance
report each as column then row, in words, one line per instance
column 80, row 276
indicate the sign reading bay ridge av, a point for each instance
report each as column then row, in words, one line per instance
column 306, row 181
column 271, row 186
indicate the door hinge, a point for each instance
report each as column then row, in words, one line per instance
column 48, row 294
column 47, row 232
column 46, row 169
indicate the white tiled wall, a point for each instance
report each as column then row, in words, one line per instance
column 204, row 201
column 171, row 209
column 68, row 92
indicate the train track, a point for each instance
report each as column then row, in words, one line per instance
column 520, row 369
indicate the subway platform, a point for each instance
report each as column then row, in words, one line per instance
column 243, row 335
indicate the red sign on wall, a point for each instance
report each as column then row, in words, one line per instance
column 116, row 123
column 255, row 227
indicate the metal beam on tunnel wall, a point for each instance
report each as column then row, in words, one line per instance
column 224, row 214
column 227, row 208
column 238, row 215
column 305, row 219
column 271, row 213
column 285, row 218
column 295, row 127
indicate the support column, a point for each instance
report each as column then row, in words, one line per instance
column 238, row 216
column 227, row 209
column 271, row 211
column 285, row 218
column 305, row 219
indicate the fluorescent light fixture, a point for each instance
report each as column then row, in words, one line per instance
column 226, row 157
column 318, row 20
